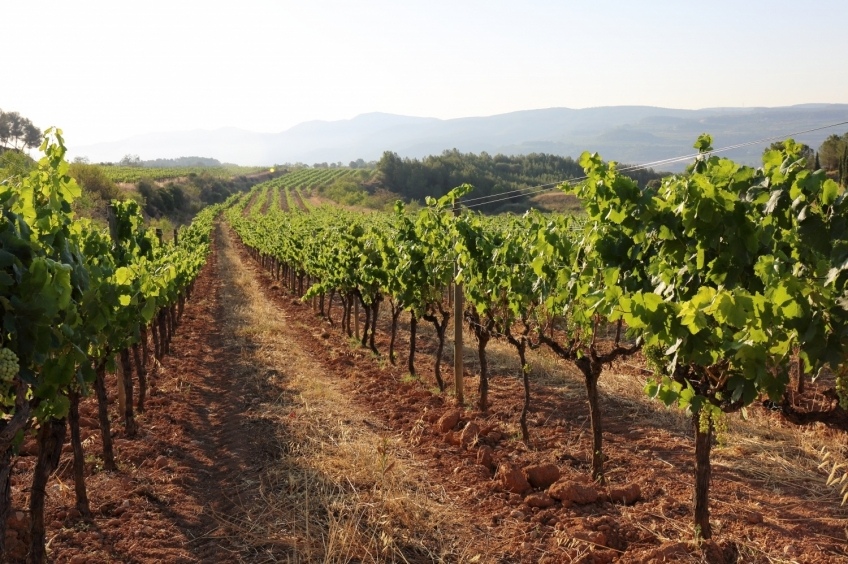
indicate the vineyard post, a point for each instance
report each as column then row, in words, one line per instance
column 113, row 233
column 113, row 222
column 176, row 237
column 459, row 383
column 159, row 235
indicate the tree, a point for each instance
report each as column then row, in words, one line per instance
column 18, row 132
column 93, row 179
column 831, row 150
column 130, row 160
column 843, row 166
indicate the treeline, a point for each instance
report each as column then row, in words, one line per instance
column 833, row 157
column 179, row 162
column 436, row 175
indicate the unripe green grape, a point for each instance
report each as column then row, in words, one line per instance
column 8, row 364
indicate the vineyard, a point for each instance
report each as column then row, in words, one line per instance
column 134, row 174
column 729, row 280
column 506, row 354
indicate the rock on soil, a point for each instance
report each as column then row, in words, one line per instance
column 754, row 518
column 671, row 552
column 469, row 435
column 448, row 421
column 628, row 495
column 540, row 500
column 512, row 479
column 486, row 457
column 542, row 475
column 569, row 491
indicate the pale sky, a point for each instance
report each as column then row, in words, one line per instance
column 107, row 70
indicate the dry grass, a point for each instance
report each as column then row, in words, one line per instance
column 339, row 489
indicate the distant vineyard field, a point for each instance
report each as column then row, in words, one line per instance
column 132, row 174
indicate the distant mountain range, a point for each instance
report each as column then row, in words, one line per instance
column 630, row 134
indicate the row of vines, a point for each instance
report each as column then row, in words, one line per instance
column 291, row 190
column 726, row 276
column 134, row 174
column 78, row 301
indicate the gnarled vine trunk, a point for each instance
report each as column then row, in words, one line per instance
column 103, row 416
column 79, row 456
column 440, row 323
column 396, row 309
column 703, row 474
column 50, row 439
column 413, row 326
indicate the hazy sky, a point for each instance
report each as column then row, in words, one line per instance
column 106, row 70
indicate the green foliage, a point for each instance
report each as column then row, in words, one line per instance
column 15, row 163
column 831, row 150
column 436, row 175
column 69, row 294
column 724, row 272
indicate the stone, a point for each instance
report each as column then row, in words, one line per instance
column 671, row 552
column 542, row 475
column 754, row 518
column 541, row 500
column 712, row 552
column 29, row 447
column 569, row 491
column 448, row 421
column 89, row 423
column 512, row 479
column 598, row 538
column 628, row 495
column 486, row 457
column 469, row 435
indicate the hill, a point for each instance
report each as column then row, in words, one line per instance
column 634, row 134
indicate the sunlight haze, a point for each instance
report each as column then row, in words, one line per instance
column 104, row 71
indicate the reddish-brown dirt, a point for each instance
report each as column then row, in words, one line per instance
column 299, row 200
column 200, row 443
column 281, row 198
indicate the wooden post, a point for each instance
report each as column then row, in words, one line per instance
column 113, row 222
column 112, row 219
column 458, row 378
column 159, row 235
column 176, row 237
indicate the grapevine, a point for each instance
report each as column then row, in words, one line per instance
column 724, row 275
